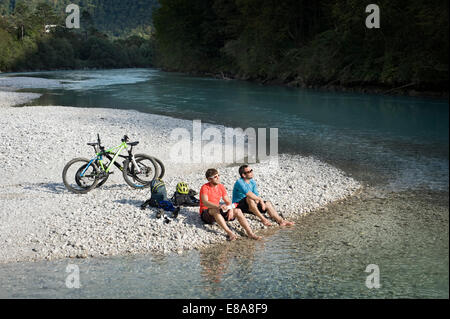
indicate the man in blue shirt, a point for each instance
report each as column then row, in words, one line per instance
column 246, row 197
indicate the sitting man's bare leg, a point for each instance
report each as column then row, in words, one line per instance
column 244, row 223
column 253, row 207
column 273, row 213
column 221, row 221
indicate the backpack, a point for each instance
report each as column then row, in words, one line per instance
column 185, row 198
column 158, row 193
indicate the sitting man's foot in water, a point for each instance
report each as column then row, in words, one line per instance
column 254, row 236
column 286, row 223
column 266, row 222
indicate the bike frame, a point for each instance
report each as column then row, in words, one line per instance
column 114, row 150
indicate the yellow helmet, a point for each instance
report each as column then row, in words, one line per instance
column 182, row 188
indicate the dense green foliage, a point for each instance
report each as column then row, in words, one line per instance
column 299, row 42
column 24, row 44
column 305, row 42
column 116, row 18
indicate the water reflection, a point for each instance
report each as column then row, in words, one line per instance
column 220, row 261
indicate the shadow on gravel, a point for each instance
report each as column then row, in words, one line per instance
column 58, row 188
column 112, row 186
column 54, row 188
column 132, row 202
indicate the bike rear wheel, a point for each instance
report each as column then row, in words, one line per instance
column 101, row 181
column 79, row 176
column 140, row 176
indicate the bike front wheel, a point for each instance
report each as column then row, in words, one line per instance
column 162, row 169
column 80, row 175
column 140, row 176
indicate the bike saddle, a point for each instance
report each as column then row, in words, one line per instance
column 92, row 144
column 133, row 143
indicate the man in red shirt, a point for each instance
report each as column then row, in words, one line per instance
column 211, row 211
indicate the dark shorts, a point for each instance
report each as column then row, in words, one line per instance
column 209, row 218
column 244, row 206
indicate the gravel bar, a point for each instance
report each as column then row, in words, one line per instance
column 40, row 219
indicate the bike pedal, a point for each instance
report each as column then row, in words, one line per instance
column 104, row 174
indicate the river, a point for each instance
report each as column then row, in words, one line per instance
column 396, row 146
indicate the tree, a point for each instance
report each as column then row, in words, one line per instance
column 44, row 15
column 22, row 18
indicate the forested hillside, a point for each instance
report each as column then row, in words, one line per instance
column 305, row 43
column 308, row 43
column 113, row 17
column 25, row 44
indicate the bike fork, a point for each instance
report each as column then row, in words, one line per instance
column 138, row 170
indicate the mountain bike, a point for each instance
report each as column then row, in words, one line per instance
column 81, row 175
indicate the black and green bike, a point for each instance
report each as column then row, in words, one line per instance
column 80, row 175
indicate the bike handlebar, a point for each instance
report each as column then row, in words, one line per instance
column 125, row 139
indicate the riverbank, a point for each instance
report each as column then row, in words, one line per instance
column 42, row 220
column 400, row 90
column 8, row 99
column 10, row 84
